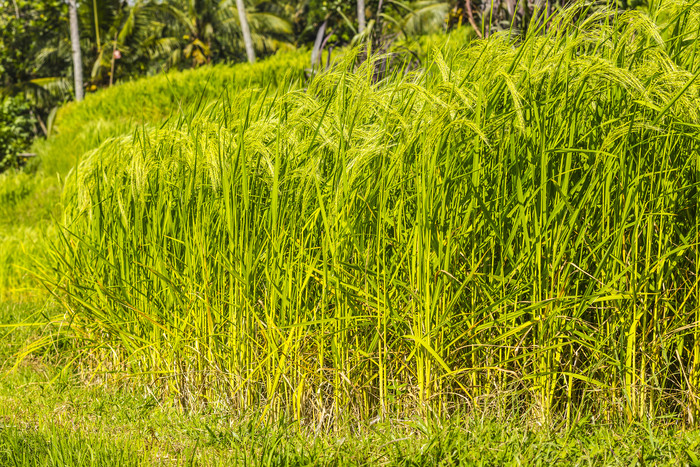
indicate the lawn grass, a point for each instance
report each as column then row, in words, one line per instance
column 477, row 444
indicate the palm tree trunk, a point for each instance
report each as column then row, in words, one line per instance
column 361, row 21
column 75, row 46
column 318, row 44
column 245, row 30
column 97, row 24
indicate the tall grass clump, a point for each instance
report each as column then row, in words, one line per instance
column 29, row 197
column 82, row 126
column 513, row 228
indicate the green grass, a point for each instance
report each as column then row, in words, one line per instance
column 514, row 225
column 53, row 413
column 30, row 199
column 81, row 127
column 477, row 444
column 27, row 203
column 490, row 260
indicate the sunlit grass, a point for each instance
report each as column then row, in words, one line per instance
column 30, row 198
column 52, row 412
column 514, row 227
column 82, row 126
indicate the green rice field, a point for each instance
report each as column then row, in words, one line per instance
column 487, row 259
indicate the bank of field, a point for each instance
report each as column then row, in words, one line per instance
column 511, row 228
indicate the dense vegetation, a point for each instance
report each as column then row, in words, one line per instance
column 82, row 127
column 497, row 229
column 29, row 203
column 15, row 130
column 513, row 226
column 120, row 40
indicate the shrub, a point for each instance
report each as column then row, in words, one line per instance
column 16, row 130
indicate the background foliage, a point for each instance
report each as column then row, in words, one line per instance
column 16, row 130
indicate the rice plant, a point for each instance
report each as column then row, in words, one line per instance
column 513, row 227
column 83, row 126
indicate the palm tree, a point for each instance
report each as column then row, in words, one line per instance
column 416, row 17
column 424, row 17
column 245, row 30
column 75, row 46
column 213, row 30
column 132, row 31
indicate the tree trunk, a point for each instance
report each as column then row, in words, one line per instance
column 14, row 2
column 75, row 47
column 361, row 21
column 245, row 30
column 97, row 25
column 318, row 44
column 114, row 59
column 470, row 16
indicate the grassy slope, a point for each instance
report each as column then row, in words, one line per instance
column 81, row 127
column 30, row 201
